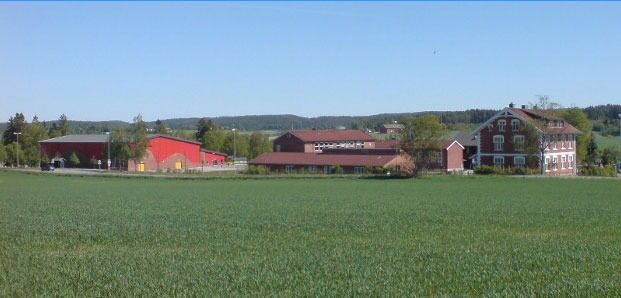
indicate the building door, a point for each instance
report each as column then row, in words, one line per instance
column 140, row 167
column 178, row 165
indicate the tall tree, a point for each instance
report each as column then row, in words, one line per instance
column 2, row 154
column 543, row 102
column 592, row 153
column 204, row 125
column 421, row 139
column 12, row 151
column 16, row 124
column 29, row 142
column 579, row 120
column 139, row 140
column 259, row 144
column 160, row 127
column 214, row 140
column 119, row 144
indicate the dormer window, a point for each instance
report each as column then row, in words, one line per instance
column 501, row 125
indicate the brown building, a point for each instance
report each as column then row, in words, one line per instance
column 314, row 141
column 318, row 151
column 390, row 128
column 501, row 141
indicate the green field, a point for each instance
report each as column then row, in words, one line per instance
column 95, row 236
column 607, row 141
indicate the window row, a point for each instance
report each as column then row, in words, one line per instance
column 554, row 142
column 518, row 161
column 502, row 125
column 565, row 162
column 499, row 141
column 340, row 145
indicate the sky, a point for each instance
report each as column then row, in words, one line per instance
column 114, row 60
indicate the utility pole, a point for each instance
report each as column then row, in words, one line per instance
column 109, row 161
column 17, row 151
column 234, row 149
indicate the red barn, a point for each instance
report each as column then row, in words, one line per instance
column 213, row 158
column 164, row 153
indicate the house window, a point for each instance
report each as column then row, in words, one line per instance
column 518, row 142
column 499, row 161
column 554, row 163
column 515, row 125
column 317, row 147
column 554, row 142
column 498, row 142
column 358, row 170
column 501, row 125
column 519, row 161
column 289, row 168
column 312, row 169
column 563, row 162
column 327, row 169
column 570, row 142
column 548, row 165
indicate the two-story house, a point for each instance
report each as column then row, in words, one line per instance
column 501, row 141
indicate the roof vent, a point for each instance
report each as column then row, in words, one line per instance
column 523, row 107
column 511, row 105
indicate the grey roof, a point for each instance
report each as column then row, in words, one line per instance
column 100, row 138
column 466, row 139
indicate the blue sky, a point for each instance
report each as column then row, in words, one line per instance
column 113, row 60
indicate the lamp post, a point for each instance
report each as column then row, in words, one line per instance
column 17, row 149
column 234, row 149
column 396, row 138
column 109, row 161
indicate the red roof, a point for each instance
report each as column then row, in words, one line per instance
column 538, row 118
column 331, row 135
column 320, row 159
column 388, row 144
column 445, row 144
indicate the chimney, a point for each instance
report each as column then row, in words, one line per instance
column 511, row 105
column 523, row 107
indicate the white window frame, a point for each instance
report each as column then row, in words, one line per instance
column 502, row 124
column 547, row 164
column 519, row 164
column 521, row 147
column 498, row 146
column 515, row 125
column 289, row 168
column 571, row 161
column 312, row 169
column 499, row 158
column 563, row 161
column 554, row 163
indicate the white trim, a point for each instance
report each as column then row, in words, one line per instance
column 453, row 143
column 502, row 113
column 478, row 149
column 504, row 154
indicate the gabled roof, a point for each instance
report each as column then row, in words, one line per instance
column 446, row 144
column 320, row 159
column 98, row 138
column 102, row 138
column 330, row 135
column 465, row 139
column 153, row 136
column 536, row 118
column 214, row 152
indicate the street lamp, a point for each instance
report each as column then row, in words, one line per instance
column 17, row 149
column 234, row 148
column 109, row 161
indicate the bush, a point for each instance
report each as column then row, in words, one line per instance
column 491, row 170
column 606, row 171
column 258, row 170
column 336, row 170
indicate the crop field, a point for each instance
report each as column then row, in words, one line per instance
column 472, row 236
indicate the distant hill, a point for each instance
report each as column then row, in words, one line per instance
column 471, row 117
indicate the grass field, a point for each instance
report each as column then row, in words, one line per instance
column 607, row 141
column 94, row 236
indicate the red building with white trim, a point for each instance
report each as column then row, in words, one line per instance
column 501, row 141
